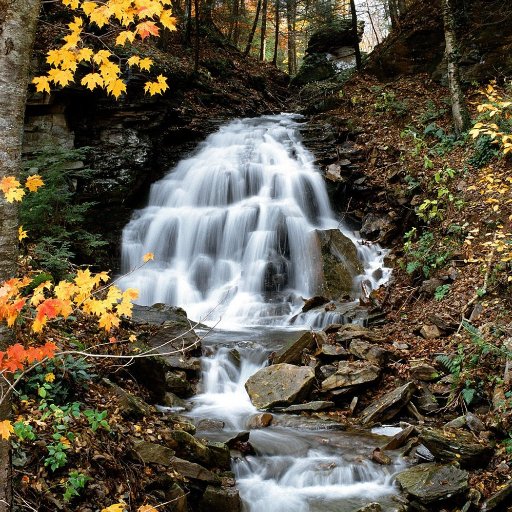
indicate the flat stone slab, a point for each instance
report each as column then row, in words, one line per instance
column 351, row 374
column 279, row 385
column 193, row 471
column 431, row 482
column 318, row 405
column 292, row 352
column 389, row 405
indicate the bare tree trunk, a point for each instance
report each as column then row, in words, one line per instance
column 17, row 32
column 276, row 36
column 393, row 13
column 253, row 30
column 356, row 35
column 188, row 25
column 233, row 28
column 197, row 38
column 371, row 22
column 291, row 15
column 263, row 36
column 461, row 118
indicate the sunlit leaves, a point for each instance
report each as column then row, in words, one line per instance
column 146, row 29
column 22, row 234
column 12, row 190
column 6, row 429
column 157, row 87
column 148, row 257
column 34, row 182
column 116, row 507
column 92, row 80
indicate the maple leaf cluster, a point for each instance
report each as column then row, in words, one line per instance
column 17, row 356
column 12, row 189
column 131, row 18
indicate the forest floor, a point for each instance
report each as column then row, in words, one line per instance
column 448, row 202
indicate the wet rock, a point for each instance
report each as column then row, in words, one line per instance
column 293, row 352
column 430, row 332
column 172, row 400
column 176, row 382
column 349, row 375
column 220, row 454
column 193, row 471
column 430, row 483
column 158, row 314
column 336, row 351
column 371, row 507
column 372, row 353
column 388, row 406
column 499, row 498
column 376, row 227
column 210, row 425
column 241, row 437
column 380, row 457
column 339, row 264
column 399, row 440
column 188, row 447
column 220, row 499
column 130, row 405
column 279, row 384
column 421, row 370
column 181, row 362
column 261, row 420
column 423, row 453
column 450, row 445
column 318, row 405
column 314, row 302
column 152, row 453
column 182, row 423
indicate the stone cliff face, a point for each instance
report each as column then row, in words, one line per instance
column 417, row 44
column 136, row 140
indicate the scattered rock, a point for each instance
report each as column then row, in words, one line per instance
column 400, row 346
column 351, row 374
column 450, row 445
column 210, row 425
column 399, row 440
column 130, row 405
column 220, row 499
column 372, row 353
column 377, row 227
column 176, row 382
column 328, row 350
column 220, row 454
column 190, row 448
column 429, row 286
column 193, row 471
column 293, row 352
column 421, row 370
column 501, row 497
column 430, row 483
column 474, row 423
column 388, row 406
column 318, row 405
column 314, row 302
column 261, row 420
column 348, row 332
column 426, row 401
column 327, row 370
column 279, row 384
column 430, row 331
column 371, row 507
column 172, row 400
column 152, row 453
column 353, row 405
column 380, row 457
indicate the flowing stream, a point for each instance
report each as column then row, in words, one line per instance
column 233, row 231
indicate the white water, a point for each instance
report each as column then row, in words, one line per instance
column 232, row 229
column 303, row 469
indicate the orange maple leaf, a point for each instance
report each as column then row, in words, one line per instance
column 147, row 28
column 6, row 429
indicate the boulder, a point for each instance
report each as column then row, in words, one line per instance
column 338, row 266
column 261, row 420
column 220, row 454
column 193, row 471
column 389, row 405
column 174, row 401
column 210, row 425
column 349, row 375
column 318, row 405
column 220, row 499
column 188, row 447
column 176, row 382
column 349, row 332
column 449, row 445
column 430, row 332
column 158, row 314
column 430, row 483
column 421, row 370
column 377, row 227
column 292, row 353
column 314, row 68
column 334, row 35
column 399, row 439
column 152, row 453
column 371, row 507
column 329, row 351
column 372, row 353
column 279, row 384
column 314, row 302
column 425, row 399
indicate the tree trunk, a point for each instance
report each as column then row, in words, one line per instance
column 188, row 23
column 393, row 13
column 291, row 15
column 276, row 42
column 17, row 32
column 253, row 30
column 461, row 119
column 356, row 35
column 263, row 40
column 197, row 39
column 233, row 28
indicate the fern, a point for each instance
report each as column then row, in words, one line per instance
column 451, row 363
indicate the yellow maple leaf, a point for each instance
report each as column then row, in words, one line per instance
column 114, row 294
column 125, row 35
column 148, row 256
column 76, row 25
column 72, row 40
column 49, row 377
column 99, row 16
column 133, row 60
column 84, row 54
column 132, row 338
column 109, row 69
column 147, row 508
column 6, row 429
column 116, row 87
column 42, row 84
column 7, row 183
column 61, row 76
column 167, row 20
column 116, row 507
column 92, row 80
column 109, row 320
column 21, row 234
column 145, row 63
column 124, row 308
column 34, row 182
column 102, row 56
column 73, row 4
column 64, row 290
column 130, row 294
column 14, row 194
column 89, row 7
column 84, row 279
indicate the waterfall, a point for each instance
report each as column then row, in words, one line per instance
column 232, row 228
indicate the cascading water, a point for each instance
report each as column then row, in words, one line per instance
column 233, row 227
column 233, row 231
